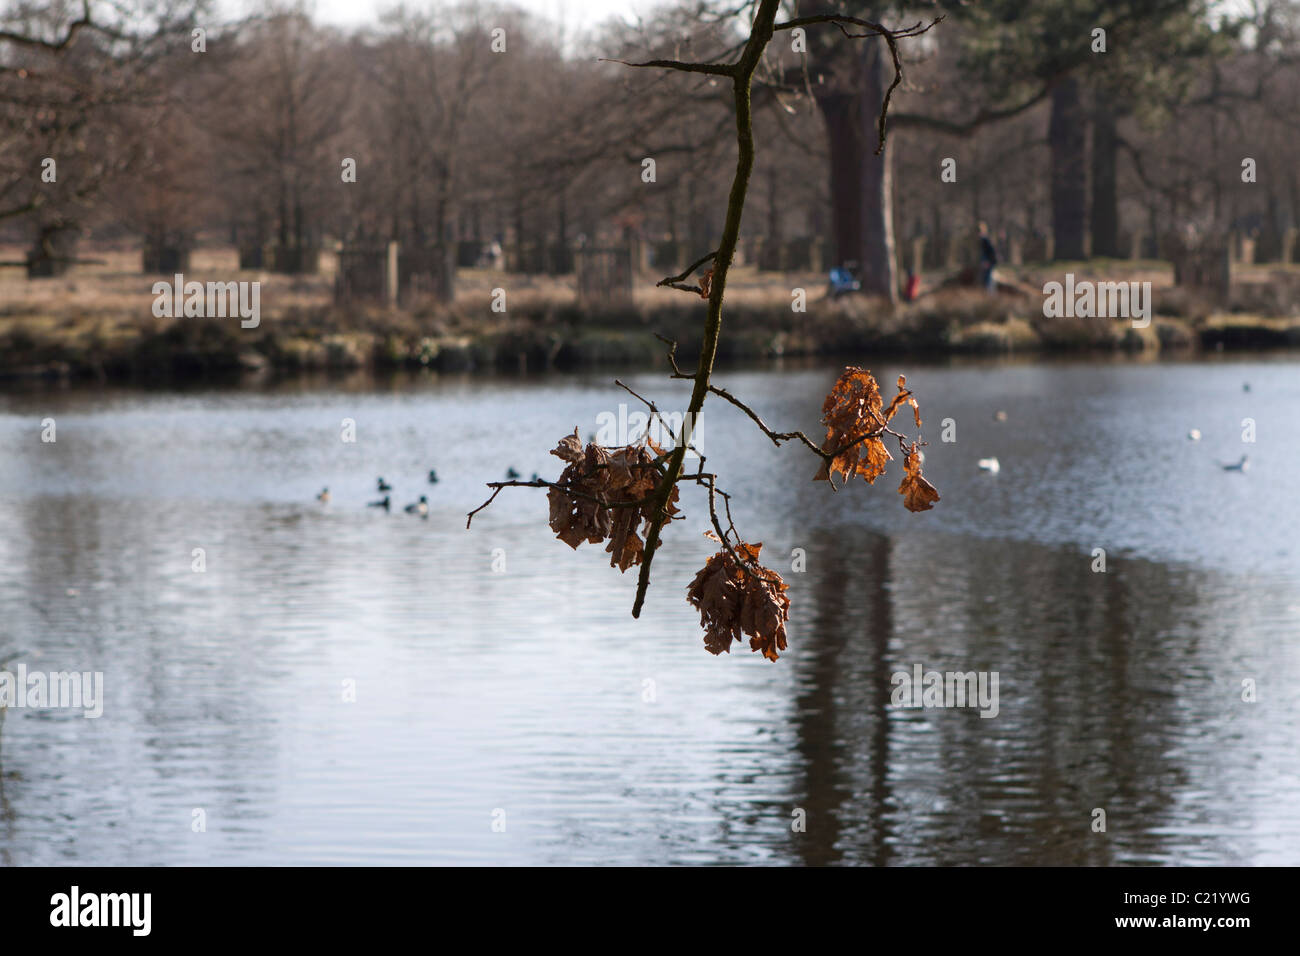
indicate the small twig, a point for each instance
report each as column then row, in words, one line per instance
column 672, row 355
column 686, row 274
column 654, row 411
column 779, row 438
column 567, row 489
column 469, row 519
column 714, row 69
column 891, row 38
column 757, row 570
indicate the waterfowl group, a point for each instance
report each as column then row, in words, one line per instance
column 420, row 507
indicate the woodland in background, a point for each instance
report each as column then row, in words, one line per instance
column 1064, row 151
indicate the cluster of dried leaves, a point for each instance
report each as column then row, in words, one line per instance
column 735, row 599
column 604, row 494
column 857, row 422
column 607, row 494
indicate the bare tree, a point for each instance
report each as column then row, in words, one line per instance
column 70, row 75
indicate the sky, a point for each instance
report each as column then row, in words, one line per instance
column 577, row 14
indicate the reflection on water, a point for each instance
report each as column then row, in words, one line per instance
column 608, row 740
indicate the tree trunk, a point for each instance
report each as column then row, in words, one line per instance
column 774, row 204
column 284, row 215
column 861, row 182
column 521, row 246
column 1294, row 190
column 445, row 251
column 1105, row 191
column 1067, row 136
column 839, row 112
column 877, row 256
column 54, row 245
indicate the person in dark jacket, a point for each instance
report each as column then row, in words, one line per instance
column 988, row 259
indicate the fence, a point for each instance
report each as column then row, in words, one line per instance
column 605, row 276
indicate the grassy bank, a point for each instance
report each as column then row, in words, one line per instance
column 97, row 321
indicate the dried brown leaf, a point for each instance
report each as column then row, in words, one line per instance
column 570, row 447
column 706, row 284
column 734, row 601
column 853, row 417
column 904, row 397
column 918, row 494
column 602, row 497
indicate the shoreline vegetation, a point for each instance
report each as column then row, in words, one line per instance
column 97, row 321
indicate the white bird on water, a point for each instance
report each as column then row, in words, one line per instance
column 1239, row 466
column 1194, row 435
column 990, row 464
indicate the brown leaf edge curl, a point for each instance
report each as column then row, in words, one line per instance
column 734, row 600
column 853, row 416
column 918, row 494
column 612, row 487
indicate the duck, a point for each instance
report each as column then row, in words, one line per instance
column 433, row 477
column 1194, row 435
column 324, row 496
column 512, row 475
column 420, row 507
column 990, row 465
column 1239, row 466
column 383, row 485
column 383, row 502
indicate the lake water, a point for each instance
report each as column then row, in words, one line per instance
column 529, row 696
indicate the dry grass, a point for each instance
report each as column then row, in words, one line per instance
column 99, row 317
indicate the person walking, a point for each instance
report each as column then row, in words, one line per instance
column 988, row 259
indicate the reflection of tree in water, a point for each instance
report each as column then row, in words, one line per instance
column 6, row 810
column 848, row 633
column 1088, row 713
